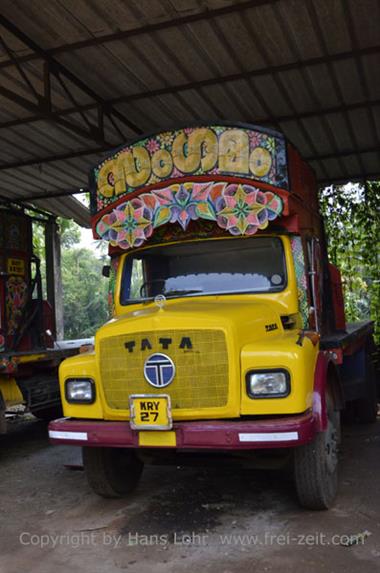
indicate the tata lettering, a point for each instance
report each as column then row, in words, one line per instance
column 185, row 344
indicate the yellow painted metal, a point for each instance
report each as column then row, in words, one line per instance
column 201, row 373
column 157, row 439
column 25, row 358
column 251, row 327
column 150, row 412
column 81, row 366
column 283, row 352
column 8, row 386
column 10, row 391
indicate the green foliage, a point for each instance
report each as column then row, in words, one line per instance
column 352, row 221
column 85, row 290
column 38, row 240
column 70, row 233
column 85, row 293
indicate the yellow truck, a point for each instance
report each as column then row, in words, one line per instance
column 228, row 332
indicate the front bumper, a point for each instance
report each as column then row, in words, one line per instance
column 286, row 431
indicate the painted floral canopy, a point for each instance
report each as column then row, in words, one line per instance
column 233, row 176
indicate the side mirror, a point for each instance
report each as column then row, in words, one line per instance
column 106, row 271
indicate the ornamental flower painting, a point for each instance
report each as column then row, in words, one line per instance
column 237, row 208
column 17, row 292
column 129, row 225
column 183, row 203
column 243, row 209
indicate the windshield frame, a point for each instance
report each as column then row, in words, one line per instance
column 123, row 301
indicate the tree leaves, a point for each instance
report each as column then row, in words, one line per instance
column 85, row 290
column 352, row 221
column 85, row 293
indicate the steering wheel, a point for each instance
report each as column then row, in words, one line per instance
column 146, row 283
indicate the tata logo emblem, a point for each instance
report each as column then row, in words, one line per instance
column 159, row 370
column 160, row 300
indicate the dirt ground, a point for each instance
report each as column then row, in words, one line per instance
column 182, row 519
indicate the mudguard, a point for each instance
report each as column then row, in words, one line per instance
column 325, row 368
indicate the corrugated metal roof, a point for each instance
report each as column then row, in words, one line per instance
column 78, row 78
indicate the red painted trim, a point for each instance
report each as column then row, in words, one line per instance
column 222, row 435
column 319, row 393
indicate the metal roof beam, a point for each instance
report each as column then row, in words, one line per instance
column 140, row 30
column 265, row 71
column 49, row 194
column 343, row 153
column 361, row 71
column 19, row 68
column 93, row 133
column 246, row 75
column 57, row 157
column 56, row 68
column 258, row 120
column 337, row 90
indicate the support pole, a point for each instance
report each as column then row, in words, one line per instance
column 54, row 274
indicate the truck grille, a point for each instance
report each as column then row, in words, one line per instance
column 201, row 372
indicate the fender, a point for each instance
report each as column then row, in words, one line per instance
column 325, row 366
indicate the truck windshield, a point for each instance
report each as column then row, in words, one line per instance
column 205, row 268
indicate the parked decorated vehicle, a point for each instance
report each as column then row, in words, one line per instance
column 29, row 353
column 228, row 332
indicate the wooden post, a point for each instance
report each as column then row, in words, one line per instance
column 54, row 275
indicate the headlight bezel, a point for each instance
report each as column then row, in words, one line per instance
column 80, row 379
column 271, row 396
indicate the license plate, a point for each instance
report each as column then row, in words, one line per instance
column 150, row 412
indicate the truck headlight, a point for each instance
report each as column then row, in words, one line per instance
column 268, row 384
column 80, row 391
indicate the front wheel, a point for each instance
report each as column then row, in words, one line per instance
column 316, row 464
column 112, row 472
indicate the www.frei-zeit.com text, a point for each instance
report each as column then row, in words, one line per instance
column 112, row 540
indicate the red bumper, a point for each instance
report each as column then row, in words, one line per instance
column 287, row 431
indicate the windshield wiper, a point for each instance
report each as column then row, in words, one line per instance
column 181, row 292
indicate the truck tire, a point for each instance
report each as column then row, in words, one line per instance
column 366, row 407
column 112, row 472
column 316, row 464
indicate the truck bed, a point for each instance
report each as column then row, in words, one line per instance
column 60, row 349
column 342, row 339
column 12, row 361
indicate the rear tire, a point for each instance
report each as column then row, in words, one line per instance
column 112, row 472
column 316, row 464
